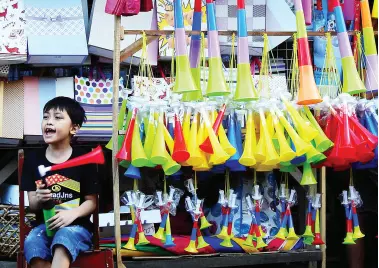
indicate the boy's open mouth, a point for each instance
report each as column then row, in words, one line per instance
column 49, row 131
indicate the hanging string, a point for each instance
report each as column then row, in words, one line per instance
column 195, row 186
column 227, row 183
column 351, row 183
column 135, row 185
column 286, row 179
column 264, row 72
column 164, row 184
column 360, row 57
column 330, row 78
column 255, row 177
column 145, row 69
column 363, row 60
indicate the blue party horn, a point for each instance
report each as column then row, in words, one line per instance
column 133, row 172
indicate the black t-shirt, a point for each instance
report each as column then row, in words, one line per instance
column 68, row 186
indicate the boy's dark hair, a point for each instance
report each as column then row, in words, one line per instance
column 71, row 106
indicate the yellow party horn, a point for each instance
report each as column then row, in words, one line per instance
column 285, row 152
column 204, row 164
column 193, row 148
column 300, row 145
column 150, row 136
column 139, row 158
column 247, row 158
column 305, row 129
column 323, row 143
column 158, row 153
column 272, row 157
column 219, row 156
column 260, row 152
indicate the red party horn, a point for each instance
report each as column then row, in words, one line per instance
column 94, row 157
column 336, row 158
column 364, row 154
column 346, row 146
column 125, row 153
column 206, row 146
column 180, row 153
column 372, row 140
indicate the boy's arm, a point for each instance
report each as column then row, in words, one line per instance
column 34, row 205
column 36, row 198
column 87, row 207
column 66, row 217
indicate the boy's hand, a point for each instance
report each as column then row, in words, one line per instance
column 63, row 218
column 42, row 194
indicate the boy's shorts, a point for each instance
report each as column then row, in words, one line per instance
column 74, row 238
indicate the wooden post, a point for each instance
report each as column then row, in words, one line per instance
column 323, row 215
column 116, row 182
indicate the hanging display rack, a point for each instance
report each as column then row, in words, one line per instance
column 312, row 256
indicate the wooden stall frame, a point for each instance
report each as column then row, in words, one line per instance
column 119, row 56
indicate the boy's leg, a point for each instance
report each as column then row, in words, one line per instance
column 68, row 242
column 61, row 257
column 37, row 247
column 40, row 263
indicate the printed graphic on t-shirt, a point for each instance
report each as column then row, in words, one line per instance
column 65, row 192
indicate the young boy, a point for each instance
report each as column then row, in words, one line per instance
column 73, row 190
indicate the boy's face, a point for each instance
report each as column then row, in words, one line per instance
column 57, row 127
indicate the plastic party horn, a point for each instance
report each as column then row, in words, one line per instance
column 195, row 158
column 272, row 158
column 158, row 153
column 139, row 158
column 195, row 212
column 245, row 89
column 133, row 172
column 247, row 158
column 180, row 153
column 48, row 209
column 308, row 177
column 204, row 164
column 229, row 220
column 219, row 156
column 352, row 83
column 307, row 9
column 249, row 239
column 96, row 156
column 291, row 230
column 260, row 152
column 371, row 79
column 349, row 227
column 322, row 141
column 304, row 128
column 285, row 151
column 216, row 81
column 308, row 224
column 232, row 162
column 354, row 202
column 184, row 81
column 224, row 142
column 316, row 205
column 125, row 152
column 308, row 92
column 300, row 145
column 194, row 54
column 206, row 146
column 150, row 136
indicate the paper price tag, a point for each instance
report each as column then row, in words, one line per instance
column 148, row 229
